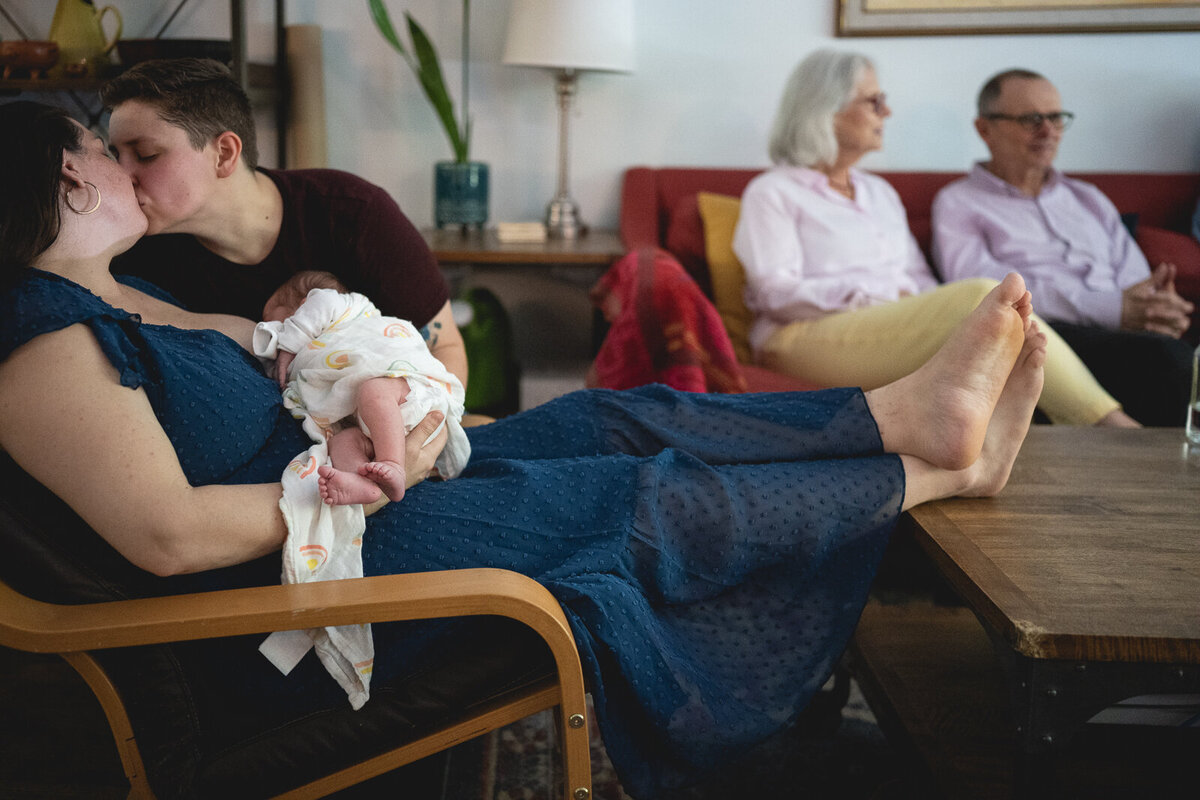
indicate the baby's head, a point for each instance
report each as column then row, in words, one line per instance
column 288, row 297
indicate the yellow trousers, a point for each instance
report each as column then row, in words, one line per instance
column 872, row 346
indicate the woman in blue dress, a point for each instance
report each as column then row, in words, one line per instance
column 712, row 553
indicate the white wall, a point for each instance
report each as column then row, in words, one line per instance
column 707, row 78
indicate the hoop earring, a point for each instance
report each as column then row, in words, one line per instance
column 90, row 210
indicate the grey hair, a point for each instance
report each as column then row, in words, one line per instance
column 820, row 85
column 990, row 93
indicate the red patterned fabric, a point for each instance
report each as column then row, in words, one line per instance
column 663, row 329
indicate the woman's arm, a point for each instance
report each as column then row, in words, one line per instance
column 99, row 447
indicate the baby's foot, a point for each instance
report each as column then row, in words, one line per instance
column 341, row 488
column 387, row 475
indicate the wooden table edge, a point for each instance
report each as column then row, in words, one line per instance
column 946, row 546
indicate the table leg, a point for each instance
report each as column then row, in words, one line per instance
column 1052, row 699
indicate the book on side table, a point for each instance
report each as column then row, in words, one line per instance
column 516, row 232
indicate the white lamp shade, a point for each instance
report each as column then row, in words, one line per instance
column 571, row 34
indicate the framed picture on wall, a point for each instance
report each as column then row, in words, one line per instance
column 964, row 17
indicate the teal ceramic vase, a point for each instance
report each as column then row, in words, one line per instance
column 460, row 194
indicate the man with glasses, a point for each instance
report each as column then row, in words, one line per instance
column 1016, row 212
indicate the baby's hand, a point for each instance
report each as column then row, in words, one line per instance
column 282, row 362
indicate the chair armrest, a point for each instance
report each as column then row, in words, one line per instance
column 71, row 630
column 36, row 626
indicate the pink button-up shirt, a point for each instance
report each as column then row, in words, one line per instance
column 809, row 251
column 1068, row 243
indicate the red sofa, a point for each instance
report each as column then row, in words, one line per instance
column 658, row 209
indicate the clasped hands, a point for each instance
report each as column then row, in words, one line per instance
column 1154, row 305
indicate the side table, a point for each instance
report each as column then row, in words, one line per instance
column 598, row 248
column 543, row 285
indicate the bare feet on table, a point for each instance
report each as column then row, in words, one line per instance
column 1010, row 421
column 1006, row 431
column 940, row 412
column 341, row 488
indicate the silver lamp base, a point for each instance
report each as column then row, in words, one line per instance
column 562, row 219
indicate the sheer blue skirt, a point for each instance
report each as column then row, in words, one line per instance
column 712, row 553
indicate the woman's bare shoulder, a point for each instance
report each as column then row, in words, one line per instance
column 38, row 354
column 66, row 359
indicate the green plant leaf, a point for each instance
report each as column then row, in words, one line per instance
column 383, row 22
column 429, row 71
column 426, row 66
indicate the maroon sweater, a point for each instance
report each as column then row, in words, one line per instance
column 332, row 221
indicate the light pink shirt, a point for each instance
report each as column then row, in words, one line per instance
column 809, row 251
column 1068, row 243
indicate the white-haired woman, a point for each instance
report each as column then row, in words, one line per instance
column 840, row 291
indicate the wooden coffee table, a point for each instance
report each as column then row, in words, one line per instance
column 1086, row 573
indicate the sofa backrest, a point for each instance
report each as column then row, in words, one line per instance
column 658, row 203
column 1161, row 200
column 652, row 197
column 659, row 209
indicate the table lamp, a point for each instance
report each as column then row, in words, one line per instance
column 569, row 36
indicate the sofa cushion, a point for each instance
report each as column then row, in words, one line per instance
column 720, row 215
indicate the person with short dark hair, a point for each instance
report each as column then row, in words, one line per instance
column 1016, row 213
column 225, row 233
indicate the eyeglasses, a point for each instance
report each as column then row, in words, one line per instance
column 878, row 102
column 1059, row 120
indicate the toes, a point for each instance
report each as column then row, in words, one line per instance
column 1012, row 288
column 1024, row 307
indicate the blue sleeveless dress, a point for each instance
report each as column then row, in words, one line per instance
column 712, row 552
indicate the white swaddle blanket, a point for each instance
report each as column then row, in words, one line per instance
column 341, row 340
column 324, row 543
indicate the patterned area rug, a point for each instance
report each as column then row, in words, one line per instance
column 822, row 757
column 520, row 762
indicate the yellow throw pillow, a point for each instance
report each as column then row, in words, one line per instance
column 719, row 213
